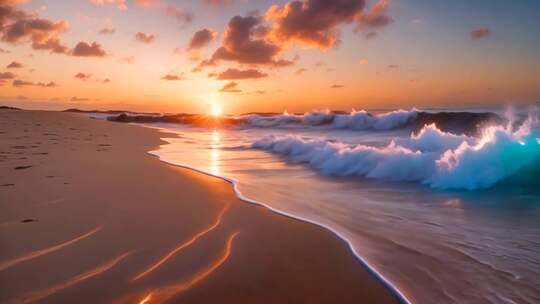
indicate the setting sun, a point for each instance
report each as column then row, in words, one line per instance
column 216, row 110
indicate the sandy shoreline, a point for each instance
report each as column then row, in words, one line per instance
column 106, row 222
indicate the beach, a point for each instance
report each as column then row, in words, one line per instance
column 88, row 216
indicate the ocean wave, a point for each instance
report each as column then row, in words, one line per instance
column 439, row 159
column 355, row 120
column 456, row 122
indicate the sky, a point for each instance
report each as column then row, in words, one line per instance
column 268, row 55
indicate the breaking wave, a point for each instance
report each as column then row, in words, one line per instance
column 457, row 122
column 439, row 159
column 355, row 120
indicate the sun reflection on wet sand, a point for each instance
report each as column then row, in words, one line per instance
column 38, row 253
column 147, row 299
column 182, row 246
column 214, row 153
column 161, row 295
column 41, row 294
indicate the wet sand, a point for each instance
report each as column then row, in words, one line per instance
column 87, row 216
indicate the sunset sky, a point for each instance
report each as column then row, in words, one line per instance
column 267, row 55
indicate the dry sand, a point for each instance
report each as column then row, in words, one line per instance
column 87, row 216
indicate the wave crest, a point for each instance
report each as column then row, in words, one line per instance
column 433, row 157
column 356, row 120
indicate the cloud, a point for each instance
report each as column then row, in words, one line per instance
column 363, row 61
column 301, row 71
column 18, row 26
column 183, row 17
column 231, row 87
column 315, row 23
column 370, row 35
column 242, row 43
column 2, row 51
column 171, row 77
column 201, row 39
column 480, row 33
column 218, row 3
column 83, row 76
column 21, row 83
column 4, row 77
column 84, row 49
column 145, row 3
column 376, row 17
column 47, row 85
column 235, row 74
column 106, row 80
column 394, row 66
column 145, row 38
column 337, row 86
column 75, row 98
column 7, row 75
column 121, row 4
column 15, row 65
column 107, row 31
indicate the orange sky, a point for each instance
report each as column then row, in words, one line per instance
column 364, row 54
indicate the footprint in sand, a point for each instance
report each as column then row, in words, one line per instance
column 22, row 167
column 29, row 220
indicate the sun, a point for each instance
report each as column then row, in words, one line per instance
column 216, row 110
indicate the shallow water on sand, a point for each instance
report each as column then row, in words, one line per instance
column 435, row 246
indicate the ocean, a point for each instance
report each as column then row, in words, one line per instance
column 448, row 215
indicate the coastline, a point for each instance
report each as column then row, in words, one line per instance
column 146, row 206
column 235, row 184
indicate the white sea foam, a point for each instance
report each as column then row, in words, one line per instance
column 439, row 159
column 361, row 120
column 356, row 120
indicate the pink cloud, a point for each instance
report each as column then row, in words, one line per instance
column 480, row 33
column 231, row 87
column 218, row 3
column 84, row 49
column 14, row 65
column 235, row 74
column 82, row 76
column 201, row 39
column 145, row 38
column 121, row 4
column 242, row 44
column 312, row 23
column 183, row 17
column 171, row 77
